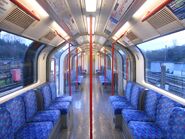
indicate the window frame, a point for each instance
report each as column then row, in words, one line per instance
column 8, row 90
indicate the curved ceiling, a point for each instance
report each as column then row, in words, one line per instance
column 71, row 15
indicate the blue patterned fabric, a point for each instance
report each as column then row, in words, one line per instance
column 135, row 115
column 46, row 92
column 5, row 125
column 176, row 122
column 45, row 116
column 128, row 90
column 150, row 105
column 30, row 102
column 117, row 98
column 40, row 130
column 135, row 96
column 164, row 109
column 119, row 106
column 145, row 130
column 52, row 86
column 62, row 106
column 64, row 99
column 17, row 112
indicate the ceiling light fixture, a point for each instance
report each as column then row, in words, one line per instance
column 90, row 5
column 93, row 24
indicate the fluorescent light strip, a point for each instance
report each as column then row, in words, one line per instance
column 93, row 24
column 90, row 5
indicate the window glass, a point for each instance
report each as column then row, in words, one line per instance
column 124, row 61
column 13, row 50
column 165, row 62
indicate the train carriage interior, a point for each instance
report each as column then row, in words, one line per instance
column 92, row 69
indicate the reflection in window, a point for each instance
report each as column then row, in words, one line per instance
column 165, row 62
column 13, row 49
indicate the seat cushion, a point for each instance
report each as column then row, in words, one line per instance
column 117, row 98
column 46, row 116
column 46, row 93
column 135, row 115
column 5, row 125
column 145, row 130
column 64, row 99
column 62, row 106
column 40, row 130
column 176, row 123
column 119, row 106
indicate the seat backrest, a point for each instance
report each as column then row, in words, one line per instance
column 128, row 90
column 5, row 124
column 46, row 93
column 136, row 96
column 16, row 109
column 52, row 86
column 164, row 110
column 30, row 102
column 176, row 129
column 150, row 103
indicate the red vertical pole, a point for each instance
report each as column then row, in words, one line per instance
column 81, row 61
column 105, row 64
column 77, row 68
column 91, row 85
column 112, row 84
column 127, row 66
column 100, row 61
column 70, row 93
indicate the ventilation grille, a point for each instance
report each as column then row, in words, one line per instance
column 131, row 36
column 50, row 36
column 161, row 19
column 20, row 18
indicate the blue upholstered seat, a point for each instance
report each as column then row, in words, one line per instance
column 135, row 115
column 21, row 129
column 125, row 98
column 176, row 129
column 145, row 130
column 5, row 124
column 32, row 114
column 149, row 113
column 40, row 130
column 118, row 106
column 48, row 105
column 52, row 86
column 157, row 129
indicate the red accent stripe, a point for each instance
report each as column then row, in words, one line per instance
column 91, row 82
column 112, row 84
column 26, row 10
column 69, row 61
column 77, row 68
column 154, row 11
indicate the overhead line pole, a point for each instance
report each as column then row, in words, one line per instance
column 91, row 82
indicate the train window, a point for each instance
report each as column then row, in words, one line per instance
column 13, row 62
column 165, row 62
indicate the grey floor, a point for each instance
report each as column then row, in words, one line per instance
column 102, row 126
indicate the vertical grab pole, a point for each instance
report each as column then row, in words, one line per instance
column 77, row 68
column 70, row 93
column 81, row 63
column 91, row 85
column 127, row 64
column 100, row 62
column 112, row 84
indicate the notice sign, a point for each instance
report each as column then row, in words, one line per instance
column 178, row 8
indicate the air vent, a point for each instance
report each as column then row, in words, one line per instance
column 131, row 36
column 20, row 18
column 161, row 18
column 50, row 36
